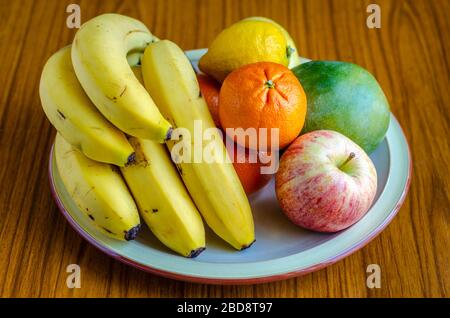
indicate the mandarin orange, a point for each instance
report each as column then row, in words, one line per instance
column 263, row 95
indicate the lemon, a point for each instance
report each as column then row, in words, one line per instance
column 243, row 43
column 291, row 51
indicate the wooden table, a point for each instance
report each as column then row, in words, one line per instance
column 409, row 55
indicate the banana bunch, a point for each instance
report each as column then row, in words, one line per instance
column 110, row 151
column 89, row 89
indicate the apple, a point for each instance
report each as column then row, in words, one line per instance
column 325, row 181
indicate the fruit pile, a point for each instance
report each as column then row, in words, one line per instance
column 330, row 115
column 123, row 101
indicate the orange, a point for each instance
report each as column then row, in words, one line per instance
column 210, row 89
column 248, row 171
column 263, row 95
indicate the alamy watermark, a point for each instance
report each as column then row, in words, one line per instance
column 374, row 19
column 374, row 278
column 206, row 145
column 73, row 280
column 73, row 20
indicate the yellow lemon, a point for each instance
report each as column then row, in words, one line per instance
column 243, row 43
column 292, row 52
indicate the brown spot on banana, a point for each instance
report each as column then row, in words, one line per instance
column 61, row 115
column 123, row 91
column 135, row 31
column 107, row 230
column 89, row 191
column 115, row 98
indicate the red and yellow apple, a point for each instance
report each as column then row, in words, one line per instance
column 325, row 181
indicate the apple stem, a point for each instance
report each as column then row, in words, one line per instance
column 349, row 158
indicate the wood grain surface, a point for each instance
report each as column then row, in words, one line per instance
column 409, row 55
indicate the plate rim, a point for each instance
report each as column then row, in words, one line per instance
column 235, row 280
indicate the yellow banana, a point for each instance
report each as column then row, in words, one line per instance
column 98, row 190
column 99, row 56
column 162, row 199
column 75, row 117
column 214, row 186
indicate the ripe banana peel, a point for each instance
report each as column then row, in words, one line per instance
column 214, row 187
column 99, row 55
column 162, row 199
column 75, row 117
column 98, row 190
